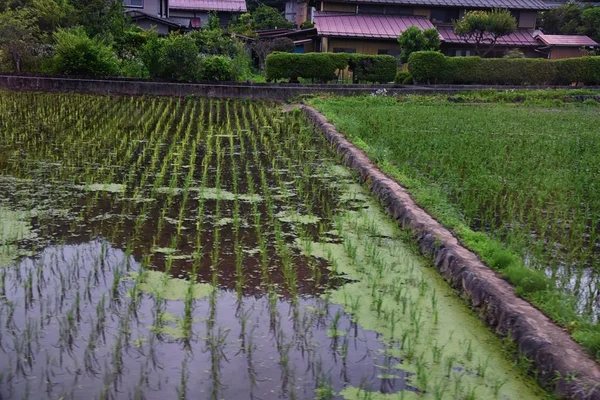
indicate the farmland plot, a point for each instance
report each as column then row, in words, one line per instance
column 168, row 248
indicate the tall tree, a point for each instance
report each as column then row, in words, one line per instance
column 484, row 28
column 414, row 39
column 19, row 36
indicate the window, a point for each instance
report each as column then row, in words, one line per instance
column 389, row 52
column 343, row 50
column 395, row 10
column 444, row 14
column 371, row 9
column 133, row 3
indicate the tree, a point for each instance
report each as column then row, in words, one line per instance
column 266, row 17
column 19, row 36
column 78, row 54
column 243, row 25
column 572, row 19
column 414, row 39
column 264, row 47
column 484, row 28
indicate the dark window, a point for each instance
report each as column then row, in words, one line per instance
column 398, row 10
column 444, row 14
column 371, row 9
column 343, row 50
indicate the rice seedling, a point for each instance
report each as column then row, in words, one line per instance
column 155, row 245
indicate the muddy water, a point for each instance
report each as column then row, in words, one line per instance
column 226, row 256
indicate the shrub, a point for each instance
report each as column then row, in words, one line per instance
column 414, row 39
column 427, row 66
column 77, row 54
column 371, row 68
column 578, row 70
column 179, row 58
column 320, row 67
column 216, row 68
column 403, row 77
column 526, row 281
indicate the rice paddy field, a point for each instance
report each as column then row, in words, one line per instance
column 515, row 175
column 156, row 248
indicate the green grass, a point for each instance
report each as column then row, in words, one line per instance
column 514, row 175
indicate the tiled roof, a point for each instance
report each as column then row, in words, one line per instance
column 566, row 40
column 511, row 4
column 520, row 38
column 136, row 15
column 209, row 5
column 365, row 25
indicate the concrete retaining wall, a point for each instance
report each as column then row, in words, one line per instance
column 551, row 349
column 264, row 91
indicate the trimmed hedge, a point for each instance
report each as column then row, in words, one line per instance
column 403, row 77
column 370, row 68
column 433, row 67
column 322, row 67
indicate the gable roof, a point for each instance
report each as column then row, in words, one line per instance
column 566, row 40
column 366, row 25
column 488, row 4
column 209, row 5
column 136, row 15
column 520, row 38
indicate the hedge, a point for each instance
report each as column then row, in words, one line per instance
column 370, row 68
column 322, row 67
column 433, row 67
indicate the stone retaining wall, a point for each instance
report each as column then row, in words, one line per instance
column 551, row 349
column 233, row 90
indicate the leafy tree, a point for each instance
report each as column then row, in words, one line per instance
column 215, row 42
column 216, row 68
column 52, row 14
column 485, row 28
column 78, row 54
column 307, row 25
column 243, row 25
column 99, row 17
column 266, row 17
column 19, row 36
column 414, row 39
column 173, row 58
column 572, row 19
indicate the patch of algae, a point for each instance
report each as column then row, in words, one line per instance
column 450, row 353
column 102, row 187
column 14, row 226
column 158, row 283
column 294, row 217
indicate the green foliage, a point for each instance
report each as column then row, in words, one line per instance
column 216, row 68
column 572, row 19
column 307, row 25
column 243, row 25
column 526, row 281
column 435, row 68
column 373, row 68
column 266, row 17
column 19, row 36
column 514, row 53
column 403, row 77
column 263, row 47
column 99, row 17
column 52, row 14
column 215, row 42
column 485, row 28
column 427, row 66
column 320, row 67
column 78, row 54
column 414, row 39
column 178, row 59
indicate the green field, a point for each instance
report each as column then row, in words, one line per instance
column 515, row 176
column 159, row 248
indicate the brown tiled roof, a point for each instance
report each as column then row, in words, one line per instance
column 566, row 40
column 520, row 38
column 209, row 5
column 366, row 25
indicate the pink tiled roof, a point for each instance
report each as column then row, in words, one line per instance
column 368, row 26
column 520, row 38
column 566, row 40
column 209, row 5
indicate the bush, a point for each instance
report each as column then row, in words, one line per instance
column 369, row 68
column 216, row 68
column 403, row 77
column 427, row 66
column 525, row 280
column 77, row 54
column 320, row 67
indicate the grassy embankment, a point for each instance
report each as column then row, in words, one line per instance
column 514, row 175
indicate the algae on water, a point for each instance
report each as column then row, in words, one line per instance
column 14, row 226
column 158, row 283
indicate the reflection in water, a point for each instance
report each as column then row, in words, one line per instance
column 74, row 331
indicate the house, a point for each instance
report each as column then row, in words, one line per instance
column 168, row 15
column 373, row 26
column 564, row 46
column 298, row 11
column 195, row 13
column 149, row 14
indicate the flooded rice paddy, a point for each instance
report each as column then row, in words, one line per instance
column 165, row 248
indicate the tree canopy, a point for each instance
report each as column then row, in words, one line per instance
column 484, row 28
column 414, row 39
column 572, row 19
